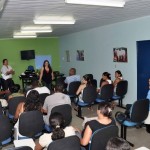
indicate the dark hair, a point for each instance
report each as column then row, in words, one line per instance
column 119, row 72
column 32, row 101
column 117, row 143
column 108, row 75
column 73, row 69
column 88, row 79
column 49, row 66
column 105, row 109
column 4, row 60
column 56, row 121
column 59, row 87
column 34, row 83
column 15, row 88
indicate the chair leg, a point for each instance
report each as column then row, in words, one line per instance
column 125, row 135
column 79, row 113
column 122, row 129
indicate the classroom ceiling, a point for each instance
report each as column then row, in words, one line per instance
column 17, row 13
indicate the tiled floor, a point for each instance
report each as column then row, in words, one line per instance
column 137, row 136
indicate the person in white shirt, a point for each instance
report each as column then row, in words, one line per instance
column 57, row 123
column 7, row 73
column 41, row 90
column 72, row 77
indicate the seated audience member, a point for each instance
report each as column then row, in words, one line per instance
column 84, row 83
column 15, row 91
column 57, row 123
column 106, row 79
column 7, row 73
column 118, row 78
column 72, row 77
column 32, row 103
column 104, row 119
column 117, row 143
column 35, row 86
column 58, row 98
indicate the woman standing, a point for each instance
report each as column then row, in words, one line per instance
column 46, row 74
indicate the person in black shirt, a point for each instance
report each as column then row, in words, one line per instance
column 104, row 119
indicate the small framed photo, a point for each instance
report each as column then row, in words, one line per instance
column 120, row 54
column 80, row 55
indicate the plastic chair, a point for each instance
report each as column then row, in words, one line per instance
column 106, row 93
column 5, row 130
column 121, row 91
column 31, row 124
column 67, row 143
column 138, row 113
column 89, row 97
column 101, row 136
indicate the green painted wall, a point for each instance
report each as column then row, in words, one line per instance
column 10, row 49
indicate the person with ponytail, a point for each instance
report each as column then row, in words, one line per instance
column 104, row 113
column 56, row 121
column 118, row 77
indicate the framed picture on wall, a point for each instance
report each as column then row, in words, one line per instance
column 80, row 55
column 67, row 56
column 120, row 54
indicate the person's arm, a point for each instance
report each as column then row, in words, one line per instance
column 116, row 81
column 79, row 90
column 41, row 74
column 19, row 110
column 86, row 136
column 38, row 147
column 52, row 74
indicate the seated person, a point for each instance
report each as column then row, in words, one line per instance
column 72, row 77
column 117, row 143
column 106, row 79
column 15, row 91
column 35, row 86
column 7, row 73
column 84, row 83
column 32, row 103
column 58, row 98
column 57, row 123
column 104, row 119
column 118, row 77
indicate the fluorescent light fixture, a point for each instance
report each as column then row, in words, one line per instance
column 54, row 20
column 111, row 3
column 23, row 35
column 35, row 29
column 2, row 3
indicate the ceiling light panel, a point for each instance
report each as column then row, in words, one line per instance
column 111, row 3
column 54, row 20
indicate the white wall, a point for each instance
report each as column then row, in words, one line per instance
column 98, row 44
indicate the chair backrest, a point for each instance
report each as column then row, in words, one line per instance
column 5, row 128
column 89, row 94
column 67, row 143
column 139, row 110
column 94, row 82
column 1, row 109
column 31, row 123
column 107, row 92
column 122, row 88
column 73, row 87
column 13, row 103
column 100, row 137
column 66, row 111
column 23, row 148
column 42, row 97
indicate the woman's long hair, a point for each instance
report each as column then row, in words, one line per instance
column 88, row 79
column 56, row 121
column 32, row 101
column 49, row 66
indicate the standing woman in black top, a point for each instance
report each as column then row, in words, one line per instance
column 46, row 74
